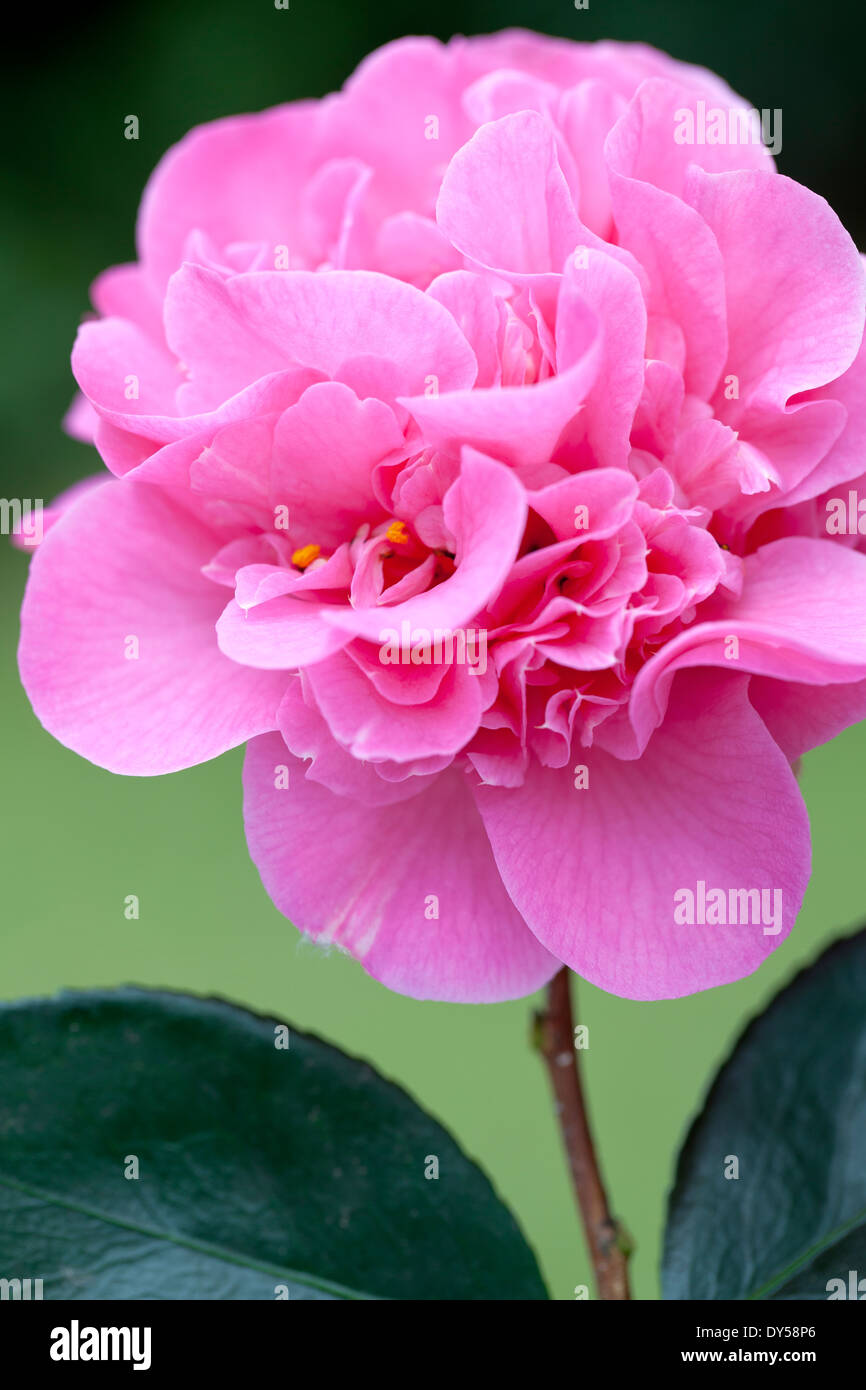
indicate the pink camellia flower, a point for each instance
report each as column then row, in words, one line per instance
column 472, row 434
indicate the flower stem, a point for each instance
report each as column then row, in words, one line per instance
column 608, row 1243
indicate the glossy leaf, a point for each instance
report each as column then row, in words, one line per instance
column 787, row 1111
column 263, row 1171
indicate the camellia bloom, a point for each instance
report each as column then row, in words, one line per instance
column 471, row 436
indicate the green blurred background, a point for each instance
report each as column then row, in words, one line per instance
column 78, row 840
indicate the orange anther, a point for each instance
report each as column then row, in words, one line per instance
column 306, row 555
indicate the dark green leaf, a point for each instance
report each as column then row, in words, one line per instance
column 258, row 1166
column 790, row 1106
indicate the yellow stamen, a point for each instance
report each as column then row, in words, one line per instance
column 397, row 533
column 306, row 555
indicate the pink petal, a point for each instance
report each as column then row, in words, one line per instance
column 843, row 461
column 517, row 424
column 789, row 623
column 119, row 367
column 485, row 510
column 396, row 865
column 308, row 737
column 231, row 332
column 504, row 201
column 608, row 494
column 332, row 215
column 325, row 450
column 414, row 249
column 81, row 419
column 649, row 142
column 801, row 717
column 127, row 292
column 586, row 115
column 471, row 301
column 280, row 635
column 594, row 871
column 125, row 562
column 794, row 285
column 682, row 261
column 237, row 179
column 372, row 727
column 36, row 524
column 613, row 294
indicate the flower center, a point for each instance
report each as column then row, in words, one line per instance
column 306, row 555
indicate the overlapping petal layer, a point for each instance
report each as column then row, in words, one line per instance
column 473, row 435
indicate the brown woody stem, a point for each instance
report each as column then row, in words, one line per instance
column 608, row 1244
